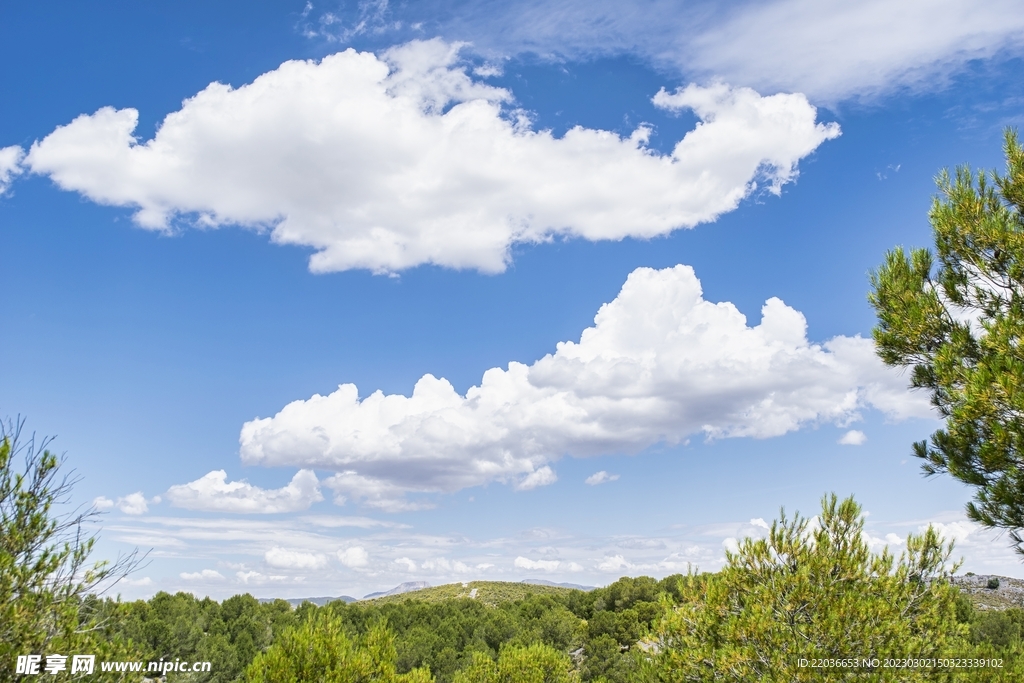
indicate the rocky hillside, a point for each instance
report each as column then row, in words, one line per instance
column 1004, row 591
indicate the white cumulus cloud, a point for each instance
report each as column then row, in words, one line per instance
column 659, row 364
column 436, row 564
column 600, row 478
column 958, row 531
column 283, row 558
column 133, row 504
column 406, row 564
column 204, row 575
column 536, row 565
column 539, row 477
column 614, row 563
column 387, row 162
column 375, row 492
column 141, row 582
column 10, row 166
column 258, row 578
column 213, row 493
column 355, row 556
column 853, row 437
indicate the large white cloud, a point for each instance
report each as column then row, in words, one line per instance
column 213, row 493
column 659, row 364
column 390, row 162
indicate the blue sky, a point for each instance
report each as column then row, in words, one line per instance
column 192, row 270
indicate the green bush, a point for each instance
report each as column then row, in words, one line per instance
column 805, row 594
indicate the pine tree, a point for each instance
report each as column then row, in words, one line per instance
column 956, row 317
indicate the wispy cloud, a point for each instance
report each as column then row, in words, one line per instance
column 832, row 49
column 287, row 553
column 829, row 49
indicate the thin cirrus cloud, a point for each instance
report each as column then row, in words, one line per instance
column 389, row 162
column 213, row 493
column 395, row 555
column 660, row 364
column 830, row 50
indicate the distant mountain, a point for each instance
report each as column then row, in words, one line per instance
column 545, row 582
column 490, row 593
column 319, row 602
column 407, row 587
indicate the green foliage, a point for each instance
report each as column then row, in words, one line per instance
column 601, row 627
column 993, row 583
column 1003, row 628
column 45, row 575
column 228, row 635
column 998, row 634
column 617, row 617
column 810, row 593
column 319, row 650
column 535, row 663
column 444, row 636
column 957, row 318
column 490, row 593
column 965, row 611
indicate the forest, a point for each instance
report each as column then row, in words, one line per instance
column 601, row 635
column 806, row 602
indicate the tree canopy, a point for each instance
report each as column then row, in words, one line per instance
column 45, row 574
column 956, row 317
column 320, row 650
column 804, row 594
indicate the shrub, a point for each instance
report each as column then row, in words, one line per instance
column 806, row 593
